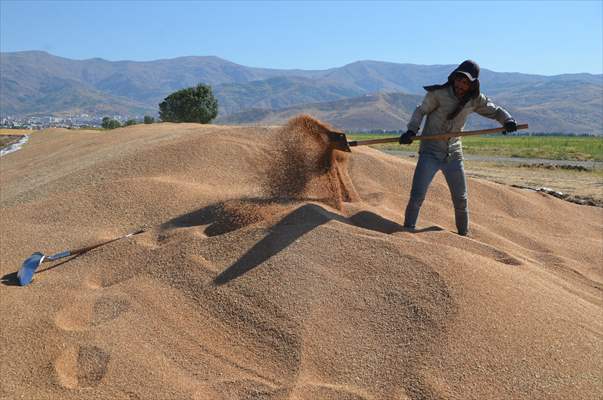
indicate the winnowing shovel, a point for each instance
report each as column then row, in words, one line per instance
column 29, row 266
column 340, row 141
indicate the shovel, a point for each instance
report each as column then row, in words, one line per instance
column 340, row 141
column 28, row 269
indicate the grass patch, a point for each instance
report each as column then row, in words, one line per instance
column 6, row 140
column 581, row 148
column 15, row 132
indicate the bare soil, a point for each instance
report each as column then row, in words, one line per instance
column 578, row 183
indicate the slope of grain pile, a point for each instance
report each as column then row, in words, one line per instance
column 274, row 268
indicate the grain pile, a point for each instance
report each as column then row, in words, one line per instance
column 275, row 268
column 306, row 165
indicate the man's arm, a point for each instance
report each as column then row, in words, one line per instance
column 485, row 107
column 430, row 103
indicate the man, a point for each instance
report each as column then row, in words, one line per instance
column 447, row 107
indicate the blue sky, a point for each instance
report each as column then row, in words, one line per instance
column 541, row 37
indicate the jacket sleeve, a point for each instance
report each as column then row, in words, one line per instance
column 485, row 107
column 430, row 103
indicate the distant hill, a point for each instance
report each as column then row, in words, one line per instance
column 28, row 80
column 280, row 92
column 391, row 111
column 37, row 82
column 384, row 110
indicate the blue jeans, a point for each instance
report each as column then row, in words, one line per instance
column 454, row 172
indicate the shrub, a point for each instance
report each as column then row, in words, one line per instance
column 194, row 104
column 110, row 123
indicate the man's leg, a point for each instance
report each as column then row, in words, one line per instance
column 454, row 172
column 424, row 172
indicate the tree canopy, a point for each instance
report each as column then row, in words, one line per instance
column 110, row 123
column 194, row 104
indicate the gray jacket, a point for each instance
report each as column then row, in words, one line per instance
column 437, row 104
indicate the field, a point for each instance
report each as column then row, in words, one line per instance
column 580, row 148
column 577, row 183
column 12, row 132
column 9, row 136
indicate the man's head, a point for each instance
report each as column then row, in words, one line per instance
column 469, row 69
column 465, row 78
column 461, row 83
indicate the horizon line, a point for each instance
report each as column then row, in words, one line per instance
column 285, row 69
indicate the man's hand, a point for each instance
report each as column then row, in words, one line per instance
column 406, row 138
column 510, row 126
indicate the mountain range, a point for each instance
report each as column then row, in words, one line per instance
column 363, row 95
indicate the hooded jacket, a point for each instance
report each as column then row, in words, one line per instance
column 447, row 113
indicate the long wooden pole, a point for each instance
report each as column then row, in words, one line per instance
column 434, row 137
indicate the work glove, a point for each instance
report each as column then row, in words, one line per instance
column 510, row 126
column 406, row 138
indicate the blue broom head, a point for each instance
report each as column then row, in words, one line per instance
column 28, row 269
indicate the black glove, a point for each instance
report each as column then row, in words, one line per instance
column 510, row 126
column 406, row 138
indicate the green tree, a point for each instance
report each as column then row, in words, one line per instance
column 148, row 120
column 194, row 104
column 130, row 122
column 110, row 123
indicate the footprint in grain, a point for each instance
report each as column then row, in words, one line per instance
column 506, row 258
column 76, row 315
column 84, row 313
column 242, row 389
column 81, row 367
column 108, row 308
column 480, row 248
column 93, row 281
column 112, row 275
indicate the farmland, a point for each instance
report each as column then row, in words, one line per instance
column 9, row 136
column 579, row 148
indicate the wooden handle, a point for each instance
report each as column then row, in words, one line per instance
column 374, row 141
column 434, row 137
column 94, row 246
column 468, row 133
